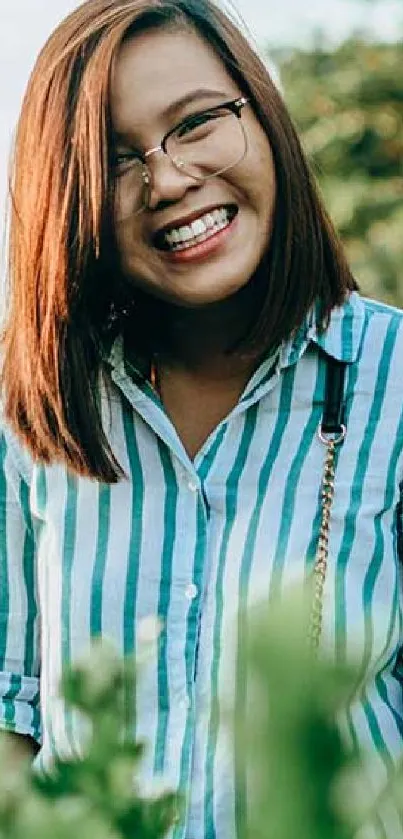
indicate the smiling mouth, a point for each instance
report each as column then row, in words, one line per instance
column 205, row 226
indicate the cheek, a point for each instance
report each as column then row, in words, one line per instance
column 128, row 229
column 129, row 242
column 267, row 179
column 259, row 174
column 268, row 191
column 128, row 195
column 122, row 240
column 138, row 261
column 263, row 195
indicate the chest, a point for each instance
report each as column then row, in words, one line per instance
column 195, row 541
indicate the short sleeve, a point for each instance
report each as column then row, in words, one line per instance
column 19, row 613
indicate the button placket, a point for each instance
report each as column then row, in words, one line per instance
column 191, row 591
column 186, row 703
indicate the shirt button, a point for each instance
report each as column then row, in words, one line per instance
column 193, row 486
column 186, row 703
column 191, row 591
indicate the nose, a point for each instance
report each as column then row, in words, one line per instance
column 168, row 184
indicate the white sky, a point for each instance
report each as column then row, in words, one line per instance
column 25, row 24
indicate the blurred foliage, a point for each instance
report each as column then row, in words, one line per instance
column 292, row 755
column 96, row 795
column 302, row 780
column 295, row 776
column 347, row 104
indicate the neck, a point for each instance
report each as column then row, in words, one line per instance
column 201, row 339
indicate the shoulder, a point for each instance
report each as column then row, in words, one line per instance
column 368, row 336
column 382, row 337
column 361, row 331
column 375, row 309
column 375, row 380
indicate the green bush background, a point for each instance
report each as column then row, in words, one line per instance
column 294, row 775
column 347, row 103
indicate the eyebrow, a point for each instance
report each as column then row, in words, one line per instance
column 178, row 104
column 188, row 98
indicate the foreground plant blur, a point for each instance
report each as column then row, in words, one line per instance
column 294, row 774
column 295, row 766
column 96, row 796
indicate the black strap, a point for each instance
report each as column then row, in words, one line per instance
column 333, row 410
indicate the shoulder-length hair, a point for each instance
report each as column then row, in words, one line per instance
column 61, row 250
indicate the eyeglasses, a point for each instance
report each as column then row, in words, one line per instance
column 202, row 146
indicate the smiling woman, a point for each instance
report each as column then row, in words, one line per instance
column 198, row 406
column 213, row 164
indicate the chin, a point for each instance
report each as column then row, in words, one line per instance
column 207, row 297
column 194, row 286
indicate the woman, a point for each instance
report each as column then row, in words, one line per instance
column 178, row 302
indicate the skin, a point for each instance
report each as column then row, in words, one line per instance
column 209, row 303
column 24, row 745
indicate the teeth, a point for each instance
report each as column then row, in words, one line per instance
column 185, row 233
column 216, row 219
column 198, row 227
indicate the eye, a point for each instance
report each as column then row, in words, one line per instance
column 126, row 161
column 197, row 123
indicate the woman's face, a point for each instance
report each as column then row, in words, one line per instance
column 198, row 241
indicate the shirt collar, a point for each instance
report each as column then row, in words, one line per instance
column 341, row 339
column 117, row 359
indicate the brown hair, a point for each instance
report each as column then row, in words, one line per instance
column 62, row 254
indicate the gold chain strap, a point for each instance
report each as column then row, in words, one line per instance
column 322, row 552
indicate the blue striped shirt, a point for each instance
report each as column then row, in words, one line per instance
column 192, row 541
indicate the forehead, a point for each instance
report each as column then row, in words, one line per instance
column 158, row 67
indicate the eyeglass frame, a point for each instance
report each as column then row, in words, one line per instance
column 233, row 105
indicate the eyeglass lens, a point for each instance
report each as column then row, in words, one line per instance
column 202, row 147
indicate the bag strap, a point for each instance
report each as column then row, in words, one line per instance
column 334, row 410
column 331, row 432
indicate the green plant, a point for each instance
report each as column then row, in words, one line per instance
column 347, row 102
column 95, row 795
column 296, row 776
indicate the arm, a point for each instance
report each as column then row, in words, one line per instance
column 19, row 618
column 25, row 745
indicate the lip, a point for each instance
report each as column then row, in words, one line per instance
column 202, row 251
column 159, row 234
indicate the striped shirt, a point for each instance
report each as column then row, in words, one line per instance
column 193, row 540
